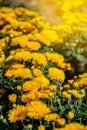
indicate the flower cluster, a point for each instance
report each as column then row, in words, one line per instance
column 72, row 31
column 35, row 91
column 31, row 71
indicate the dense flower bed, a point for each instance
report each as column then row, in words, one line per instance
column 35, row 92
column 31, row 70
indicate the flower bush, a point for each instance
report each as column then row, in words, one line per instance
column 31, row 71
column 35, row 92
column 72, row 42
column 72, row 32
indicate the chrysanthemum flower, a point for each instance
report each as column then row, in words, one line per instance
column 37, row 109
column 51, row 117
column 41, row 127
column 17, row 114
column 55, row 73
column 70, row 115
column 12, row 97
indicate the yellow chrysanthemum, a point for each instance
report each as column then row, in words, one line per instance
column 52, row 87
column 34, row 45
column 27, row 97
column 41, row 127
column 17, row 66
column 54, row 57
column 22, row 55
column 66, row 94
column 37, row 109
column 50, row 35
column 9, row 73
column 26, row 26
column 19, row 88
column 20, row 72
column 12, row 98
column 45, row 94
column 61, row 121
column 41, row 38
column 70, row 115
column 35, row 84
column 39, row 59
column 77, row 95
column 21, row 40
column 51, row 117
column 37, row 72
column 42, row 81
column 17, row 114
column 23, row 73
column 73, row 126
column 31, row 85
column 55, row 73
column 29, row 126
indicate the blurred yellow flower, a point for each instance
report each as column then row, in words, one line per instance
column 37, row 72
column 41, row 127
column 12, row 98
column 61, row 121
column 65, row 94
column 70, row 115
column 50, row 35
column 34, row 45
column 55, row 73
column 51, row 117
column 29, row 126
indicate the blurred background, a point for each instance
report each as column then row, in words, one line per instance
column 52, row 10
